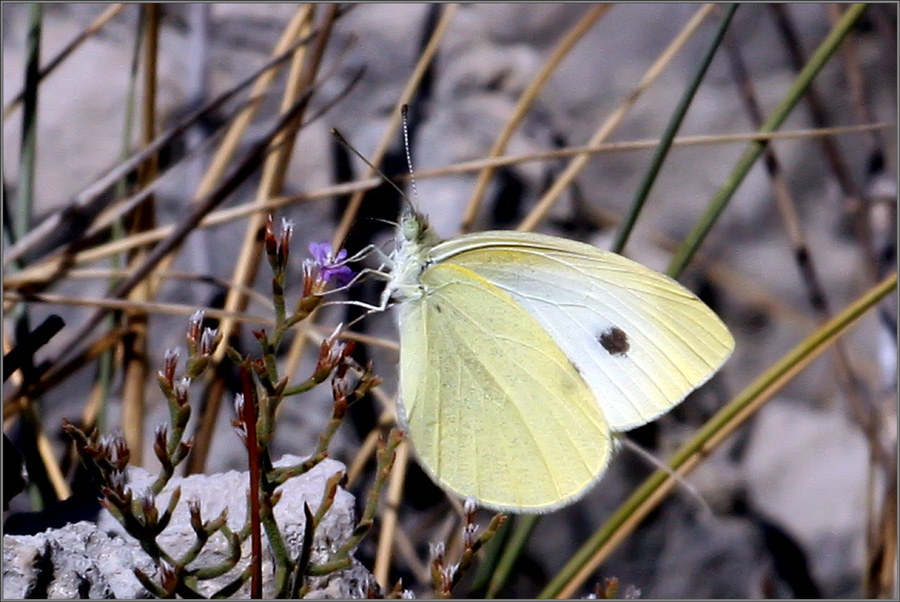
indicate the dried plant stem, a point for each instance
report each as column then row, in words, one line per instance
column 249, row 418
column 136, row 369
column 42, row 271
column 864, row 412
column 389, row 518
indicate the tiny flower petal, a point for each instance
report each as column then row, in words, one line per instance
column 331, row 265
column 321, row 252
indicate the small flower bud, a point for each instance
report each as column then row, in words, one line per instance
column 284, row 242
column 148, row 506
column 469, row 532
column 208, row 340
column 436, row 551
column 469, row 508
column 167, row 577
column 160, row 443
column 118, row 483
column 270, row 242
column 181, row 391
column 195, row 330
column 448, row 572
column 196, row 520
column 115, row 450
column 330, row 355
column 170, row 364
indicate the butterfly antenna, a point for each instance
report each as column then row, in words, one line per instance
column 346, row 143
column 404, row 111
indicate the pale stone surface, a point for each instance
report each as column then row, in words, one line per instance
column 97, row 561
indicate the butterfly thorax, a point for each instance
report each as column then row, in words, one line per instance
column 410, row 258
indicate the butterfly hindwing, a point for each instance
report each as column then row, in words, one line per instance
column 494, row 407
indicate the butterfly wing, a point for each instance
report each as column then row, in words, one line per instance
column 640, row 340
column 493, row 406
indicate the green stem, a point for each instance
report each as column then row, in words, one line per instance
column 665, row 143
column 804, row 80
column 518, row 540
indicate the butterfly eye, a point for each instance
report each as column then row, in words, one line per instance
column 615, row 341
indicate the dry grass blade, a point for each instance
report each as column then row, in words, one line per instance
column 90, row 200
column 135, row 347
column 525, row 101
column 42, row 273
column 568, row 175
column 390, row 133
column 389, row 518
column 251, row 162
column 130, row 307
column 99, row 23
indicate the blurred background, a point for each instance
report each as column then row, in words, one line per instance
column 797, row 503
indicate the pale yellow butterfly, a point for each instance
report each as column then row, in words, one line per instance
column 521, row 354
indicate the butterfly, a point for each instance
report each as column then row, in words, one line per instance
column 522, row 354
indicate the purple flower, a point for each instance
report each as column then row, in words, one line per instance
column 331, row 265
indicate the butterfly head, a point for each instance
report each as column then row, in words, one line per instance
column 415, row 230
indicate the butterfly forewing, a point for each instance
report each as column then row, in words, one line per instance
column 641, row 341
column 494, row 407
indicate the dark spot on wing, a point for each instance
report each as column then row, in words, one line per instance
column 615, row 341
